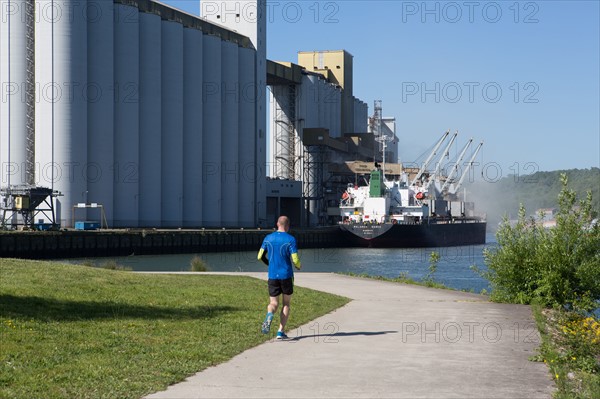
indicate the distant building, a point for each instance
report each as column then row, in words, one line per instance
column 548, row 217
column 317, row 125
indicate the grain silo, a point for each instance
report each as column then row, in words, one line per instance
column 154, row 114
column 15, row 80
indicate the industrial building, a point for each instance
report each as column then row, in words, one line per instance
column 155, row 114
column 317, row 127
column 158, row 117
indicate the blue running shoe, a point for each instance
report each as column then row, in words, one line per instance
column 266, row 325
column 281, row 335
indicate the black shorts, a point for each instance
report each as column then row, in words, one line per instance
column 278, row 287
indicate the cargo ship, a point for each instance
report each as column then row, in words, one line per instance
column 423, row 211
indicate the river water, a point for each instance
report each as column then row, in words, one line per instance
column 454, row 268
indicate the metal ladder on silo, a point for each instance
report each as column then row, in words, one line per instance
column 30, row 91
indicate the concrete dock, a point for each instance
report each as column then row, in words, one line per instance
column 125, row 242
column 391, row 340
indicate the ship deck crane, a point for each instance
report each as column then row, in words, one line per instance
column 433, row 153
column 455, row 167
column 469, row 166
column 438, row 167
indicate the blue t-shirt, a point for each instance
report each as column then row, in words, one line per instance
column 280, row 246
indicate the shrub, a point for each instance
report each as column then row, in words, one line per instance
column 197, row 264
column 582, row 338
column 557, row 267
column 434, row 259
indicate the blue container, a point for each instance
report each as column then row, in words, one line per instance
column 42, row 226
column 87, row 225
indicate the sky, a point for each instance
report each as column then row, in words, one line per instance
column 523, row 77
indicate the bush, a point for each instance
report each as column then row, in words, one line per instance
column 582, row 338
column 557, row 267
column 197, row 264
column 571, row 349
column 434, row 259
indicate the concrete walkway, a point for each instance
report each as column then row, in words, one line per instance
column 392, row 340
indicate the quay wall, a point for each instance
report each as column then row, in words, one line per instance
column 80, row 244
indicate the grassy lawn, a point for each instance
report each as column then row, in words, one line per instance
column 79, row 332
column 402, row 279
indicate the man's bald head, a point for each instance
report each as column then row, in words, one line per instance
column 283, row 223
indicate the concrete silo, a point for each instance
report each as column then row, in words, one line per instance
column 247, row 138
column 211, row 129
column 150, row 212
column 127, row 116
column 14, row 109
column 172, row 124
column 70, row 116
column 361, row 116
column 310, row 101
column 230, row 173
column 192, row 127
column 100, row 107
column 64, row 128
column 46, row 93
column 140, row 108
column 249, row 18
column 336, row 112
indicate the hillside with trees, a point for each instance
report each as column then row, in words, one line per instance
column 534, row 191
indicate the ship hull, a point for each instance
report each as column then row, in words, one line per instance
column 414, row 235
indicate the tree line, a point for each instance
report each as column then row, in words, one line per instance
column 534, row 191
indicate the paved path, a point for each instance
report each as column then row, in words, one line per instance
column 392, row 340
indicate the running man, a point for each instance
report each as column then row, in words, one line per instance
column 281, row 252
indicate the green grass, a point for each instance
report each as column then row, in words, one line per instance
column 70, row 331
column 403, row 279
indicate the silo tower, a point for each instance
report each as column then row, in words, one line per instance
column 248, row 18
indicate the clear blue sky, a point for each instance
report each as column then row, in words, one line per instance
column 521, row 76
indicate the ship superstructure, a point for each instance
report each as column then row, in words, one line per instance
column 380, row 211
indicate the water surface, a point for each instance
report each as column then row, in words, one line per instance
column 454, row 267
